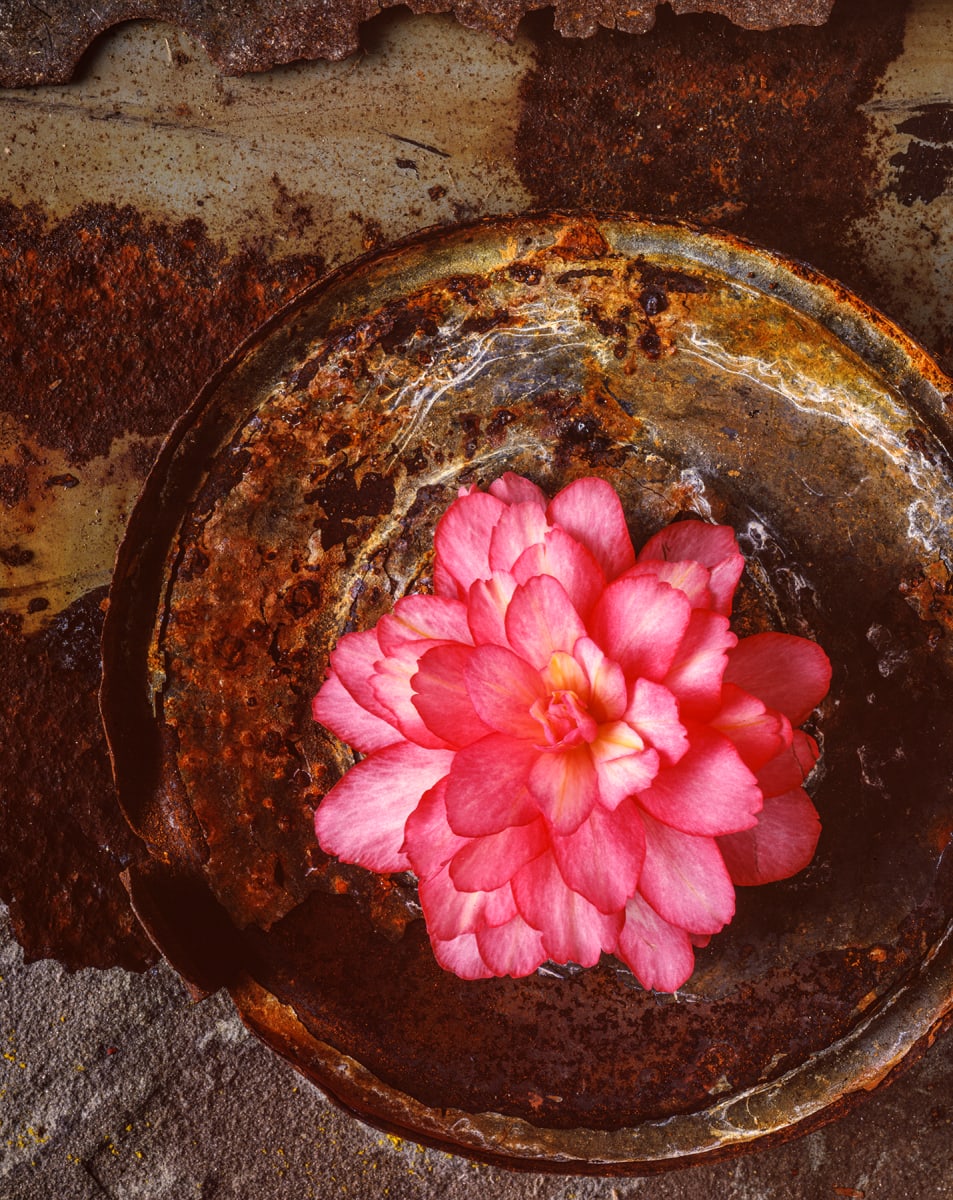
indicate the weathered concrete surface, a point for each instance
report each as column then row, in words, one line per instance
column 114, row 1086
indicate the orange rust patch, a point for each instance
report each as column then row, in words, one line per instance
column 930, row 595
column 581, row 242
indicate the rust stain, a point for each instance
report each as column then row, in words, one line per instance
column 580, row 242
column 63, row 841
column 112, row 322
column 929, row 592
column 941, row 835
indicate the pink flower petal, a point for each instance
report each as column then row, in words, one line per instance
column 724, row 581
column 791, row 767
column 444, row 583
column 487, row 786
column 354, row 660
column 429, row 842
column 462, row 541
column 692, row 540
column 623, row 765
column 653, row 713
column 690, row 578
column 640, row 623
column 520, row 527
column 788, row 673
column 503, row 689
column 335, row 708
column 517, row 489
column 450, row 912
column 608, row 692
column 362, row 818
column 392, row 685
column 696, row 672
column 564, row 785
column 486, row 608
column 423, row 618
column 512, row 949
column 568, row 746
column 757, row 733
column 659, row 954
column 573, row 929
column 602, row 859
column 541, row 620
column 560, row 555
column 461, row 955
column 441, row 697
column 499, row 906
column 488, row 862
column 564, row 674
column 708, row 791
column 684, row 878
column 590, row 510
column 712, row 546
column 781, row 844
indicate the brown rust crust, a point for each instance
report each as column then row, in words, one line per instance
column 112, row 322
column 63, row 841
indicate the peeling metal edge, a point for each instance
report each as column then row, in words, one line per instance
column 238, row 50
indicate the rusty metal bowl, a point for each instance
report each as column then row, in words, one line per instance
column 297, row 500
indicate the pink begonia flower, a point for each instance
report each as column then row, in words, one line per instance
column 567, row 744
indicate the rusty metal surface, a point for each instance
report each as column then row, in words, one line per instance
column 298, row 500
column 176, row 158
column 61, row 845
column 78, row 386
column 43, row 44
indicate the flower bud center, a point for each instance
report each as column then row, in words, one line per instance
column 564, row 721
